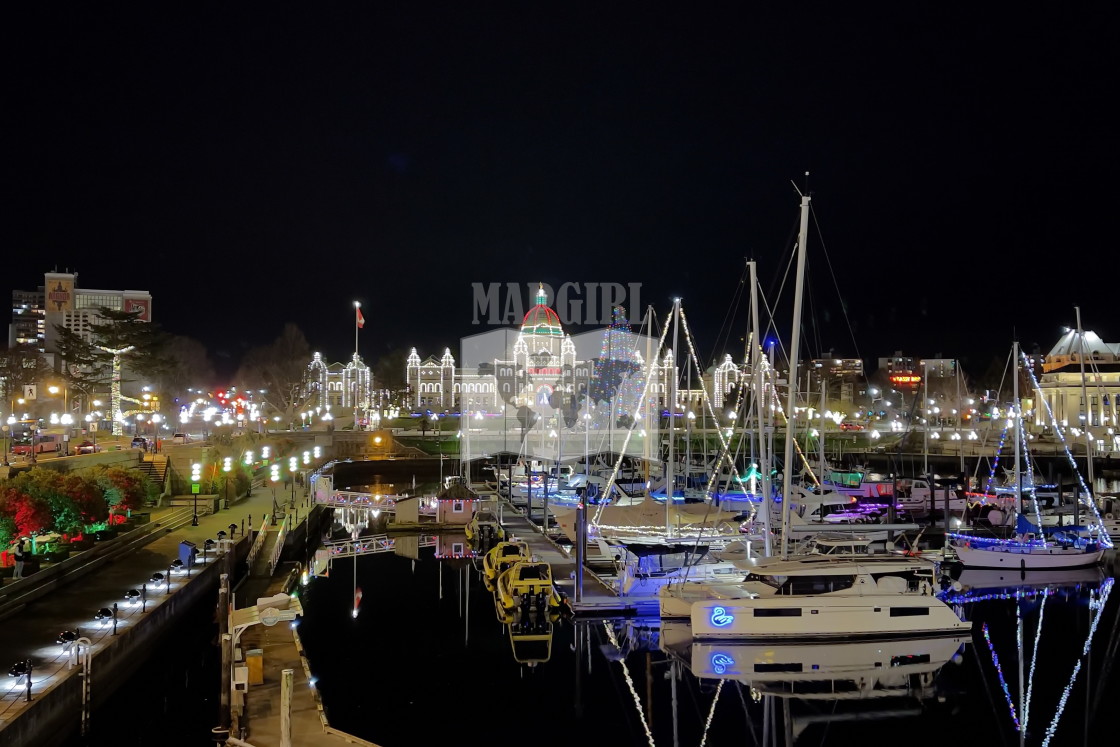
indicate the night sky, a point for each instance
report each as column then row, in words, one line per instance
column 252, row 167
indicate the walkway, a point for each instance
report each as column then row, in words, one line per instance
column 280, row 651
column 32, row 632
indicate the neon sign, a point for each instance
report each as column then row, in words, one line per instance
column 721, row 662
column 720, row 617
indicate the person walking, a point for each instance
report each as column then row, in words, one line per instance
column 21, row 555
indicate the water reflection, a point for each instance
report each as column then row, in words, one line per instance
column 428, row 618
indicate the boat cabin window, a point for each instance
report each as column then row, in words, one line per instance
column 511, row 550
column 902, row 580
column 771, row 581
column 457, row 507
column 816, row 584
column 534, row 573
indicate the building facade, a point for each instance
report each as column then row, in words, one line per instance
column 61, row 301
column 1077, row 403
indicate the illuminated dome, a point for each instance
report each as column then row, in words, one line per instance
column 542, row 320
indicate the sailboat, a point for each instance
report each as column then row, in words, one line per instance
column 1030, row 549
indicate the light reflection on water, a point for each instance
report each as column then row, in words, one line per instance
column 428, row 661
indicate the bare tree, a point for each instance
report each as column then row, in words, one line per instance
column 275, row 373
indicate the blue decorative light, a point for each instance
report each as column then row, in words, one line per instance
column 721, row 662
column 1002, row 681
column 721, row 618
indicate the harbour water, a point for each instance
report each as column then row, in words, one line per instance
column 426, row 661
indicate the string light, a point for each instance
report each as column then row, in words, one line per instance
column 1034, row 659
column 999, row 672
column 630, row 683
column 1102, row 536
column 1098, row 606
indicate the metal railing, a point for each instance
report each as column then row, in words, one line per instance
column 278, row 547
column 258, row 542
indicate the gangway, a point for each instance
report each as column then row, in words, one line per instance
column 350, row 548
column 354, row 499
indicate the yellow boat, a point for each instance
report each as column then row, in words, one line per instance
column 484, row 527
column 527, row 586
column 502, row 556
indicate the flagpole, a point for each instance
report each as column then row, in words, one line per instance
column 357, row 316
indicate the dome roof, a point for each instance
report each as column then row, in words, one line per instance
column 542, row 320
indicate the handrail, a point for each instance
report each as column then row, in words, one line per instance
column 258, row 542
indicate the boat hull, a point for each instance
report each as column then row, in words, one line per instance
column 832, row 616
column 1036, row 559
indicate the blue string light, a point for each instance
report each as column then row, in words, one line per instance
column 1102, row 536
column 1002, row 681
column 1098, row 606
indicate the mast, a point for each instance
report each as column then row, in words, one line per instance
column 794, row 352
column 820, row 433
column 1018, row 429
column 672, row 413
column 759, row 389
column 1088, row 409
column 651, row 411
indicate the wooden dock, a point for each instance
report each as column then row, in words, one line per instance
column 598, row 598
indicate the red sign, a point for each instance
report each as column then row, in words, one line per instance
column 142, row 305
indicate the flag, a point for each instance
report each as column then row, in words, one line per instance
column 361, row 319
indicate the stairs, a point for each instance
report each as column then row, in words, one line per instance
column 155, row 467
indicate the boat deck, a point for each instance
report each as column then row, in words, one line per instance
column 598, row 598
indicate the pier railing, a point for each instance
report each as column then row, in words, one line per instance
column 258, row 542
column 278, row 546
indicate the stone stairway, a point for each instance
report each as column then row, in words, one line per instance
column 155, row 467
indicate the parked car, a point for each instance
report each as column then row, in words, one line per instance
column 139, row 442
column 87, row 447
column 180, row 438
column 851, row 426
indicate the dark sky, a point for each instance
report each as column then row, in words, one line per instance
column 252, row 167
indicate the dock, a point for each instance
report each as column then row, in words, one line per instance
column 598, row 599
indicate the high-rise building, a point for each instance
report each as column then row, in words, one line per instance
column 60, row 301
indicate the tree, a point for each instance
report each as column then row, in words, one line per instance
column 389, row 371
column 275, row 373
column 188, row 366
column 97, row 357
column 20, row 366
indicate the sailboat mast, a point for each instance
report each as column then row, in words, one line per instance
column 820, row 433
column 1088, row 409
column 669, row 463
column 651, row 424
column 759, row 402
column 794, row 352
column 1018, row 423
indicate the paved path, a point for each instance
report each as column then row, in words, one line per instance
column 32, row 632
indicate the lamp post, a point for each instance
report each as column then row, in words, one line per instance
column 196, row 477
column 274, row 477
column 227, row 465
column 7, row 430
column 32, row 458
column 293, row 467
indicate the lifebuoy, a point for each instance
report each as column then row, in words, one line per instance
column 1109, row 516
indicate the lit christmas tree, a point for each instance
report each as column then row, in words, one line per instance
column 618, row 371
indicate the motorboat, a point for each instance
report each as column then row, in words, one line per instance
column 484, row 526
column 502, row 556
column 526, row 586
column 643, row 568
column 822, row 596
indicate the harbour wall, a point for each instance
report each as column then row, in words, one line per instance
column 52, row 716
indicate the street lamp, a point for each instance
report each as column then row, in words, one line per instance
column 274, row 477
column 293, row 467
column 33, row 457
column 196, row 478
column 227, row 465
column 7, row 430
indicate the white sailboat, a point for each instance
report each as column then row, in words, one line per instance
column 1030, row 549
